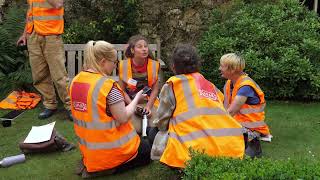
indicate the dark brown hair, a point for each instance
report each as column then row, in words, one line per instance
column 185, row 59
column 132, row 42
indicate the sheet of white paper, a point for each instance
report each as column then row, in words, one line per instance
column 40, row 133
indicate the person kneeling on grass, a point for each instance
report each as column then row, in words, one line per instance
column 107, row 139
column 192, row 112
column 244, row 100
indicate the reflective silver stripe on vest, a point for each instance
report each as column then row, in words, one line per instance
column 10, row 101
column 253, row 110
column 42, row 5
column 94, row 99
column 226, row 98
column 45, row 18
column 253, row 124
column 207, row 133
column 108, row 145
column 96, row 124
column 196, row 112
column 187, row 91
column 154, row 73
column 125, row 70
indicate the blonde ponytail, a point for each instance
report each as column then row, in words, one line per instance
column 95, row 51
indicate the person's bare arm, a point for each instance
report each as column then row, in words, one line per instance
column 127, row 98
column 56, row 3
column 236, row 105
column 23, row 38
column 153, row 95
column 122, row 113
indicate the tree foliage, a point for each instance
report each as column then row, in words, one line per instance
column 279, row 41
column 15, row 71
column 111, row 20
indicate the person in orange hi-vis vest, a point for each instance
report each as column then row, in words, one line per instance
column 244, row 100
column 137, row 72
column 42, row 35
column 107, row 139
column 191, row 110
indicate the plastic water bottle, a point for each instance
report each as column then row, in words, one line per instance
column 8, row 161
column 144, row 125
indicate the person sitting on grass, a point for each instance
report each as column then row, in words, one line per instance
column 244, row 99
column 137, row 72
column 107, row 139
column 191, row 110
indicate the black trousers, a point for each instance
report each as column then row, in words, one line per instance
column 144, row 150
column 253, row 147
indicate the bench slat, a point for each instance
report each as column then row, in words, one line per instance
column 80, row 61
column 77, row 49
column 71, row 63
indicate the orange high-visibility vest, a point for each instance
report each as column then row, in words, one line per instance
column 200, row 121
column 125, row 72
column 249, row 116
column 104, row 143
column 20, row 100
column 44, row 19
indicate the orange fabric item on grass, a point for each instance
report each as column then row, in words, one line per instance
column 20, row 100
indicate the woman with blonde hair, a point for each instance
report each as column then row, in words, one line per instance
column 244, row 100
column 108, row 141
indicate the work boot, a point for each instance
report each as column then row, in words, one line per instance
column 46, row 113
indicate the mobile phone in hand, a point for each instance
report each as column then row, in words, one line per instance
column 146, row 90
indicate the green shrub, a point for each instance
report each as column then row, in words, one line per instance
column 202, row 166
column 15, row 71
column 279, row 41
column 112, row 20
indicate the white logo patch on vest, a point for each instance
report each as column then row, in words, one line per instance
column 205, row 88
column 79, row 96
column 132, row 82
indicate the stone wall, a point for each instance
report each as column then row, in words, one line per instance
column 172, row 22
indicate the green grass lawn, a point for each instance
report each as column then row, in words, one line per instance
column 295, row 127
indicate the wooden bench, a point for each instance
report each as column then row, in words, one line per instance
column 74, row 58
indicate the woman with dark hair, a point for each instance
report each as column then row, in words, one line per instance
column 191, row 110
column 139, row 71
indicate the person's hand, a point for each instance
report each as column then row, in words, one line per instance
column 146, row 111
column 140, row 96
column 22, row 41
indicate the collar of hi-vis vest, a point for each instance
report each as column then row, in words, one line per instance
column 97, row 124
column 126, row 72
column 249, row 116
column 44, row 11
column 187, row 89
column 243, row 80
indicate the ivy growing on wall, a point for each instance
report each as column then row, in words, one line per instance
column 110, row 20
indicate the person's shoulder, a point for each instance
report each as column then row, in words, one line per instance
column 172, row 79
